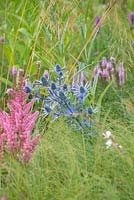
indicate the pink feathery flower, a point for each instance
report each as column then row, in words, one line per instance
column 17, row 125
column 4, row 198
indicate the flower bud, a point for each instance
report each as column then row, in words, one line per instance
column 104, row 62
column 131, row 18
column 53, row 86
column 83, row 79
column 13, row 70
column 46, row 74
column 10, row 91
column 109, row 66
column 21, row 72
column 58, row 68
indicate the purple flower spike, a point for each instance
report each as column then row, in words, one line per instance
column 131, row 18
column 109, row 66
column 104, row 63
column 97, row 20
column 121, row 74
column 105, row 73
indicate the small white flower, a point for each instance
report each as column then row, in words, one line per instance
column 107, row 134
column 109, row 143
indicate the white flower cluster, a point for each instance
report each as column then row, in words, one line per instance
column 110, row 140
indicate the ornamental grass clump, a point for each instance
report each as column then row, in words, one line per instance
column 17, row 125
column 68, row 101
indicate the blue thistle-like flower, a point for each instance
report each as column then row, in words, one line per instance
column 58, row 68
column 47, row 109
column 28, row 89
column 53, row 86
column 64, row 100
column 44, row 81
column 90, row 111
column 65, row 87
column 61, row 74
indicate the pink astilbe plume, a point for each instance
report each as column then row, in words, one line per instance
column 17, row 125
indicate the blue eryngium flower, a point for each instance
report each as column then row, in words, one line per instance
column 58, row 68
column 44, row 81
column 53, row 86
column 67, row 101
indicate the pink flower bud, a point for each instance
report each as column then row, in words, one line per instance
column 10, row 91
column 104, row 62
column 109, row 66
column 21, row 72
column 96, row 70
column 113, row 60
column 105, row 73
column 46, row 74
column 14, row 70
column 82, row 79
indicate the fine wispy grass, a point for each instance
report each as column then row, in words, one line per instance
column 65, row 165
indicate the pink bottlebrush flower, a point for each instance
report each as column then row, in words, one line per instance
column 121, row 74
column 4, row 198
column 17, row 125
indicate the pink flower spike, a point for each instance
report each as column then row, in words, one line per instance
column 4, row 198
column 17, row 125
